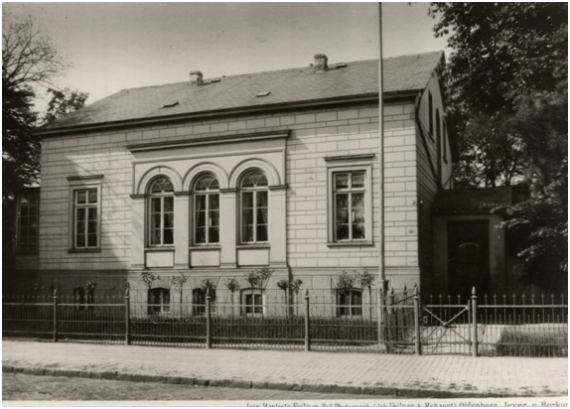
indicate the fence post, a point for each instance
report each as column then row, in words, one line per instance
column 127, row 317
column 417, row 329
column 55, row 315
column 307, row 323
column 475, row 341
column 208, row 321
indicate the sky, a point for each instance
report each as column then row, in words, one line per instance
column 113, row 46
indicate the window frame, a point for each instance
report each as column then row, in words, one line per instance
column 161, row 308
column 78, row 184
column 199, row 308
column 161, row 195
column 257, row 309
column 27, row 194
column 255, row 191
column 356, row 166
column 207, row 193
column 339, row 308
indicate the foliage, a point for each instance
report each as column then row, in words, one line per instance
column 29, row 61
column 91, row 286
column 345, row 282
column 257, row 278
column 178, row 282
column 505, row 55
column 64, row 102
column 232, row 285
column 365, row 279
column 543, row 219
column 506, row 88
column 148, row 278
column 296, row 285
column 283, row 285
column 208, row 287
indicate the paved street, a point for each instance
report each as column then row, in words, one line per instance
column 436, row 375
column 31, row 387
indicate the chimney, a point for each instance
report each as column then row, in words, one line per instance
column 196, row 78
column 321, row 63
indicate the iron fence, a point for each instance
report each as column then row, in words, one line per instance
column 388, row 321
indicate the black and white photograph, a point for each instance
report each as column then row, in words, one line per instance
column 285, row 204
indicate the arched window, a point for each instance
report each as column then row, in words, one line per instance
column 161, row 223
column 207, row 210
column 254, row 208
column 158, row 301
column 349, row 303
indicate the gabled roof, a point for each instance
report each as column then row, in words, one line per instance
column 286, row 87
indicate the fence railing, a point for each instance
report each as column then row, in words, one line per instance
column 395, row 322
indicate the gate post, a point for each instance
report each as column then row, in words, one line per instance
column 475, row 341
column 417, row 329
column 127, row 317
column 307, row 322
column 208, row 321
column 55, row 315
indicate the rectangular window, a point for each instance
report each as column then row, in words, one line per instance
column 207, row 219
column 86, row 218
column 252, row 302
column 349, row 303
column 349, row 193
column 28, row 221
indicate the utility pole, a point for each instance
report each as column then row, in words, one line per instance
column 382, row 311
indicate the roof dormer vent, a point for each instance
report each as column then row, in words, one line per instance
column 196, row 78
column 321, row 61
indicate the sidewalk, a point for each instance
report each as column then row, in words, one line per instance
column 426, row 376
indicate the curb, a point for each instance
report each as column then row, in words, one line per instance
column 241, row 384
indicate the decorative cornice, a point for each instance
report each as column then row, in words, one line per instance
column 87, row 177
column 279, row 187
column 208, row 140
column 349, row 157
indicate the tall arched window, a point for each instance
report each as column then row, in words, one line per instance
column 161, row 223
column 207, row 210
column 254, row 208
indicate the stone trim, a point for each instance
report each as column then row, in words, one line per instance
column 279, row 187
column 139, row 196
column 87, row 177
column 209, row 140
column 228, row 190
column 349, row 157
column 183, row 193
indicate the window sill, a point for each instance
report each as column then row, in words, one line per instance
column 351, row 244
column 254, row 246
column 93, row 250
column 159, row 249
column 206, row 247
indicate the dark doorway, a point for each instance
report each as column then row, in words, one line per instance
column 468, row 257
